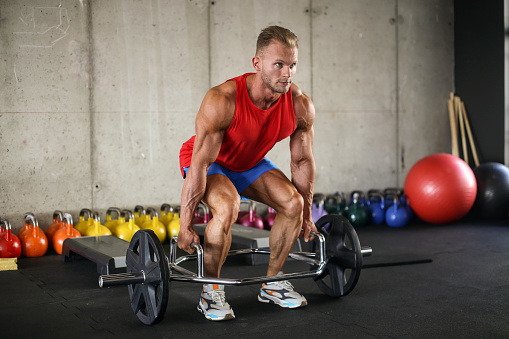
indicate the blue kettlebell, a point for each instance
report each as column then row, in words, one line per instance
column 376, row 206
column 361, row 199
column 406, row 203
column 389, row 194
column 396, row 215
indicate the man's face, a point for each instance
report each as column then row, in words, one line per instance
column 278, row 66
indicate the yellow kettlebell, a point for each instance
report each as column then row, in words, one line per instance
column 166, row 214
column 84, row 224
column 140, row 216
column 111, row 223
column 174, row 224
column 126, row 230
column 97, row 228
column 152, row 222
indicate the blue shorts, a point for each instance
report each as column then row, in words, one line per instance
column 241, row 180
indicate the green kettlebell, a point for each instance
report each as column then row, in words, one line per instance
column 356, row 213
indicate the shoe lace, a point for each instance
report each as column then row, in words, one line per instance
column 285, row 284
column 218, row 297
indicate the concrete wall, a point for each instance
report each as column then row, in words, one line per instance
column 98, row 96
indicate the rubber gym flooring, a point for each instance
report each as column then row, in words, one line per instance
column 462, row 293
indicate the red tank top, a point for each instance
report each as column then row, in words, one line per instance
column 252, row 133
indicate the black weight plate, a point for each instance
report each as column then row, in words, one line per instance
column 149, row 299
column 343, row 255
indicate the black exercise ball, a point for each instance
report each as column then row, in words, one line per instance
column 492, row 200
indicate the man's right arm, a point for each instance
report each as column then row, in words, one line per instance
column 212, row 120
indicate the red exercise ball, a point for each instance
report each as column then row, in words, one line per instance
column 441, row 188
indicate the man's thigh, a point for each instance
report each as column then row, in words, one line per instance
column 220, row 191
column 272, row 188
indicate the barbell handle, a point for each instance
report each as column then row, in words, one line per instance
column 199, row 259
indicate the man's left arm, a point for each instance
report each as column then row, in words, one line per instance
column 302, row 161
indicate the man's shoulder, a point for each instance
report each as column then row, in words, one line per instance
column 303, row 107
column 225, row 91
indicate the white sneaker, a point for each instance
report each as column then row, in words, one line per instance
column 213, row 303
column 281, row 293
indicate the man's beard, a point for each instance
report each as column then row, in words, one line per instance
column 273, row 88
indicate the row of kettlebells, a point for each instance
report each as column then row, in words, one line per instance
column 377, row 207
column 246, row 217
column 32, row 241
column 124, row 223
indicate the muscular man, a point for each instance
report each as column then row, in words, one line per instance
column 238, row 122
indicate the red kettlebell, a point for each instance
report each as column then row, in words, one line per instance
column 206, row 214
column 251, row 219
column 10, row 246
column 242, row 213
column 57, row 224
column 198, row 218
column 268, row 221
column 67, row 231
column 33, row 242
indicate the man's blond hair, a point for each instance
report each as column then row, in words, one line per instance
column 278, row 33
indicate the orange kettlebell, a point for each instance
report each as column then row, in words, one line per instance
column 26, row 226
column 67, row 231
column 33, row 242
column 84, row 224
column 57, row 224
column 97, row 228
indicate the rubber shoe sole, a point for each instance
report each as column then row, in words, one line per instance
column 213, row 317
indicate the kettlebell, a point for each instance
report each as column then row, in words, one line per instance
column 268, row 221
column 174, row 224
column 111, row 223
column 389, row 194
column 10, row 246
column 26, row 226
column 57, row 224
column 242, row 212
column 201, row 218
column 97, row 229
column 376, row 207
column 406, row 203
column 356, row 213
column 33, row 242
column 361, row 198
column 396, row 215
column 318, row 207
column 166, row 214
column 140, row 215
column 152, row 223
column 66, row 232
column 85, row 222
column 251, row 219
column 126, row 230
column 332, row 204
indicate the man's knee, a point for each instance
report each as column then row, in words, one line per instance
column 294, row 206
column 226, row 210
